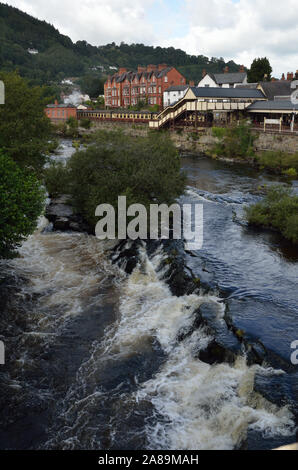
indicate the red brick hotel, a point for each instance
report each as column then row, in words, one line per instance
column 127, row 88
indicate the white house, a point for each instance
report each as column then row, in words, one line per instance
column 224, row 80
column 173, row 94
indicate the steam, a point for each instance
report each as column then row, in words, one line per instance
column 76, row 98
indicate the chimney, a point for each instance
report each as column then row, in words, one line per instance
column 122, row 70
column 141, row 69
column 283, row 77
column 226, row 69
column 204, row 73
column 191, row 83
column 296, row 75
column 241, row 70
column 151, row 68
column 161, row 67
column 56, row 102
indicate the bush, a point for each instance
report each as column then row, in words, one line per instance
column 145, row 169
column 56, row 179
column 21, row 202
column 236, row 141
column 85, row 123
column 219, row 132
column 278, row 210
column 278, row 161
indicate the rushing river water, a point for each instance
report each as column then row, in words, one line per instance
column 93, row 359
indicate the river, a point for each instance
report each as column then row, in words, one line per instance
column 95, row 358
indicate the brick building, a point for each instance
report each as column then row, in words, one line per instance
column 60, row 112
column 127, row 88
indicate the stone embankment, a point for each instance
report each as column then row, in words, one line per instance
column 202, row 141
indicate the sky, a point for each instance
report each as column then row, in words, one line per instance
column 233, row 29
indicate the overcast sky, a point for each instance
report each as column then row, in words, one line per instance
column 233, row 29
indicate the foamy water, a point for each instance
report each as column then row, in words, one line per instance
column 195, row 405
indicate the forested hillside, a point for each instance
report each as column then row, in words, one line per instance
column 21, row 36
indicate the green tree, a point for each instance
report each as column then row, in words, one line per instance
column 146, row 170
column 92, row 85
column 260, row 71
column 25, row 130
column 21, row 202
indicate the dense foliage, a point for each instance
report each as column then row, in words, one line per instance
column 279, row 162
column 260, row 71
column 24, row 128
column 92, row 85
column 279, row 211
column 234, row 142
column 58, row 57
column 21, row 202
column 145, row 169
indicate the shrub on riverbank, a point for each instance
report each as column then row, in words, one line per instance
column 234, row 142
column 278, row 211
column 278, row 162
column 144, row 169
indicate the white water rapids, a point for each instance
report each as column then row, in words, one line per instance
column 195, row 405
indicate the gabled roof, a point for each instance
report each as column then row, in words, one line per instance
column 228, row 78
column 277, row 88
column 215, row 92
column 130, row 76
column 273, row 105
column 177, row 88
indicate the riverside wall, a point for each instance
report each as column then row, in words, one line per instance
column 202, row 141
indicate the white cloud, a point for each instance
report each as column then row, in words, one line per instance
column 96, row 21
column 243, row 30
column 234, row 29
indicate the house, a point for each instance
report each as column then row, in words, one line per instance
column 173, row 94
column 60, row 112
column 224, row 80
column 127, row 88
column 279, row 89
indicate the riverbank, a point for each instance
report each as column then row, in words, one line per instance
column 273, row 152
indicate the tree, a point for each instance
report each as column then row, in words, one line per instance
column 92, row 85
column 260, row 71
column 21, row 202
column 146, row 170
column 25, row 130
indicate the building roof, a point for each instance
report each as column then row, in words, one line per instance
column 273, row 105
column 277, row 88
column 214, row 92
column 249, row 86
column 227, row 78
column 130, row 75
column 61, row 105
column 177, row 88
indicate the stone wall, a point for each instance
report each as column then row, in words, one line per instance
column 202, row 140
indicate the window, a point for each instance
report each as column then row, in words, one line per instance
column 166, row 79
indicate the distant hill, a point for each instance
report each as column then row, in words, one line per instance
column 43, row 55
